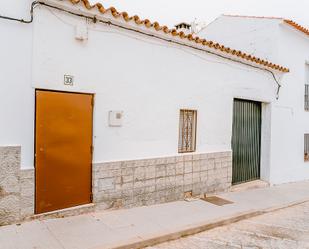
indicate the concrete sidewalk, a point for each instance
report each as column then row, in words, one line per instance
column 138, row 227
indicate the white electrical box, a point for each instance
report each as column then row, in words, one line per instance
column 115, row 118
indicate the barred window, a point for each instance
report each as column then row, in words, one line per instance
column 306, row 97
column 187, row 131
column 306, row 147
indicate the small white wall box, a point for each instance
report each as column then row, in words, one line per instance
column 115, row 118
column 81, row 32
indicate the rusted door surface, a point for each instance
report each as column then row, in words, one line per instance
column 63, row 142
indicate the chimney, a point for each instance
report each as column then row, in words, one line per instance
column 184, row 27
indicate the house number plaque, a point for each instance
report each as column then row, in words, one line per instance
column 68, row 80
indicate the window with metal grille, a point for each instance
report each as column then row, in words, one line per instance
column 187, row 131
column 306, row 147
column 306, row 97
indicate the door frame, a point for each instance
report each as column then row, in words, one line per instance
column 34, row 143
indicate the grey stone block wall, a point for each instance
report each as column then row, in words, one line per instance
column 16, row 187
column 26, row 185
column 122, row 184
column 152, row 181
column 9, row 184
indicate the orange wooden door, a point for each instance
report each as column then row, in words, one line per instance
column 63, row 142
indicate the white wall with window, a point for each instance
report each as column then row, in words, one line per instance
column 274, row 39
column 138, row 75
column 306, row 100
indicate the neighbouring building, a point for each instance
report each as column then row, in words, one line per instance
column 284, row 41
column 103, row 109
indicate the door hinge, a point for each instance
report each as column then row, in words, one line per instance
column 92, row 101
column 91, row 197
column 91, row 149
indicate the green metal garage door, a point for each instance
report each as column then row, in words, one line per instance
column 246, row 141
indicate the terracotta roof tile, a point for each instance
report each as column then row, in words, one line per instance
column 297, row 26
column 173, row 32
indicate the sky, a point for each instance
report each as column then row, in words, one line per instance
column 171, row 12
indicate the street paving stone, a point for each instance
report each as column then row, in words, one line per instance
column 284, row 229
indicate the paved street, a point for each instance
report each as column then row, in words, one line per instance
column 142, row 226
column 287, row 228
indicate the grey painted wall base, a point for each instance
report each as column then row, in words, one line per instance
column 122, row 184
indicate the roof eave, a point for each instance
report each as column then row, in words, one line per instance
column 111, row 16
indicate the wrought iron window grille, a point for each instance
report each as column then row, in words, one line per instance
column 187, row 131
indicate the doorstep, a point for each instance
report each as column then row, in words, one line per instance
column 249, row 185
column 62, row 213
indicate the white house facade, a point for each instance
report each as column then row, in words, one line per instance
column 102, row 109
column 284, row 41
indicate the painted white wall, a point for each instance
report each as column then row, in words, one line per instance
column 289, row 121
column 253, row 35
column 148, row 79
column 16, row 93
column 265, row 163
